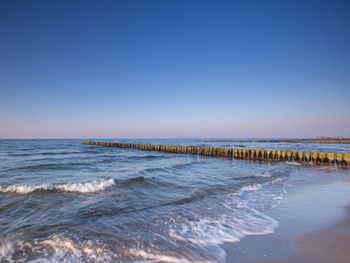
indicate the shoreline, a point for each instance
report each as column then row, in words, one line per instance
column 314, row 226
column 330, row 244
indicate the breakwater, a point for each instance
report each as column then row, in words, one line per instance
column 298, row 156
column 342, row 159
column 318, row 140
column 208, row 151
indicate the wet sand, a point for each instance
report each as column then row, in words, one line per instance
column 314, row 226
column 331, row 244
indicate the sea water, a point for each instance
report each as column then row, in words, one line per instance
column 64, row 201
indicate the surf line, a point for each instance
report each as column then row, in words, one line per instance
column 319, row 158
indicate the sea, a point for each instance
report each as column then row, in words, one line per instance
column 61, row 201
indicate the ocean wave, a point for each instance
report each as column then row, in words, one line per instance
column 168, row 168
column 46, row 166
column 230, row 228
column 211, row 221
column 148, row 157
column 86, row 187
column 231, row 221
column 270, row 194
column 135, row 181
column 263, row 176
column 45, row 153
column 113, row 158
column 186, row 200
column 55, row 249
column 183, row 165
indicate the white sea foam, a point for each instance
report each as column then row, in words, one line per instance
column 238, row 215
column 6, row 249
column 153, row 257
column 209, row 233
column 86, row 187
column 63, row 249
column 67, row 248
column 252, row 187
column 234, row 217
column 59, row 249
column 293, row 163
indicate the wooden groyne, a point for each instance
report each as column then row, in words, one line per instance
column 297, row 156
column 317, row 140
column 208, row 151
column 342, row 159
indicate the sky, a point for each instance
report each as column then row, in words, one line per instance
column 174, row 69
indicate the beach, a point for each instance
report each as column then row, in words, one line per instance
column 327, row 245
column 314, row 226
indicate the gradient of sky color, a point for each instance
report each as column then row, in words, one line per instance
column 94, row 69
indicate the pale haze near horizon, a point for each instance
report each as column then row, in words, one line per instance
column 174, row 69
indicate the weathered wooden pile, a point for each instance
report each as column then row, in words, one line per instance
column 298, row 156
column 342, row 159
column 209, row 151
column 317, row 140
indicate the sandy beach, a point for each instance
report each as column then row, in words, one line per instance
column 330, row 244
column 327, row 245
column 314, row 226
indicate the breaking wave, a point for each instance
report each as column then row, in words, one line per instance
column 56, row 249
column 86, row 187
column 196, row 227
column 231, row 220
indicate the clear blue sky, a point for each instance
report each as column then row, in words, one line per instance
column 79, row 69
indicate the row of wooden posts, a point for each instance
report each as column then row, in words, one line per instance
column 327, row 141
column 342, row 159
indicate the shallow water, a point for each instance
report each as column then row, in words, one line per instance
column 63, row 201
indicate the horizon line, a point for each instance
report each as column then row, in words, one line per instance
column 172, row 138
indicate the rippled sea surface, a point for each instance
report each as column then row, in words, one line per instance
column 63, row 201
